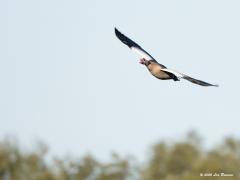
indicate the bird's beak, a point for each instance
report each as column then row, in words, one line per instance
column 142, row 61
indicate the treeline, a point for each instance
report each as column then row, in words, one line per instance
column 183, row 160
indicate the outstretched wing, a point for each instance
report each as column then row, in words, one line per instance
column 199, row 82
column 195, row 81
column 133, row 46
column 144, row 54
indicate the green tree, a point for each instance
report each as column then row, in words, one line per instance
column 182, row 160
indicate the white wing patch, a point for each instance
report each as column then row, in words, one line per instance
column 178, row 74
column 141, row 53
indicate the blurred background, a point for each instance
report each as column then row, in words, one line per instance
column 76, row 104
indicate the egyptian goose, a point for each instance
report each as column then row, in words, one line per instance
column 158, row 70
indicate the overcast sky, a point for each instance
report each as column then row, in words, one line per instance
column 68, row 81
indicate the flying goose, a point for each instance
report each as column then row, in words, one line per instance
column 158, row 70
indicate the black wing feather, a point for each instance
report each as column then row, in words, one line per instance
column 199, row 82
column 130, row 43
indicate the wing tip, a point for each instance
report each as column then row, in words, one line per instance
column 123, row 38
column 213, row 85
column 117, row 32
column 199, row 82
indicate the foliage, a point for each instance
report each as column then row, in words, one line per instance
column 183, row 160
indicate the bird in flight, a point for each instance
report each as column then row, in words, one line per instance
column 156, row 69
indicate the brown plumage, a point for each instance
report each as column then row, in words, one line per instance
column 157, row 70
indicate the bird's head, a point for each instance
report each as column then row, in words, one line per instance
column 144, row 62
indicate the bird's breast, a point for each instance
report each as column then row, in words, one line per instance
column 156, row 71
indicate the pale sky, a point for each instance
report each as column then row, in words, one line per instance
column 68, row 81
